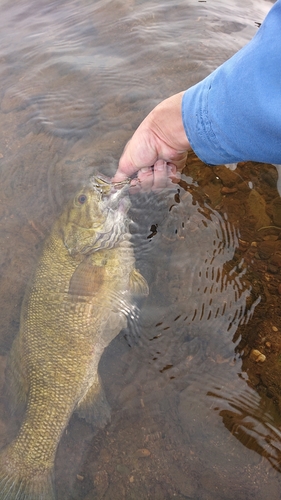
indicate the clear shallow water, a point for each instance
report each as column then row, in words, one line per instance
column 76, row 80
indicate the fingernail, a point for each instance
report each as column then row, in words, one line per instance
column 145, row 169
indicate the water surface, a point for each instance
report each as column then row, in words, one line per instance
column 193, row 415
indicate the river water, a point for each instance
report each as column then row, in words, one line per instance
column 194, row 414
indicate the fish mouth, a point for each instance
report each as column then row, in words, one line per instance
column 112, row 193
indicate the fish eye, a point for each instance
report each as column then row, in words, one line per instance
column 82, row 199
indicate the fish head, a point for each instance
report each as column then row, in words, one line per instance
column 96, row 218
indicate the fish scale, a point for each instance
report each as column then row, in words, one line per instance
column 73, row 307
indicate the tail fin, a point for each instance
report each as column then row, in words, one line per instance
column 19, row 482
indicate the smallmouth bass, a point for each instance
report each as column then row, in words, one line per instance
column 76, row 303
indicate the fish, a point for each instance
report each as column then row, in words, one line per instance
column 83, row 290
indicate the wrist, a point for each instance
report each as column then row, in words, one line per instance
column 167, row 123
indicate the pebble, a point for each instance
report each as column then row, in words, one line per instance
column 227, row 176
column 257, row 356
column 257, row 209
column 122, row 469
column 272, row 269
column 276, row 259
column 243, row 245
column 276, row 211
column 275, row 329
column 142, row 452
column 228, row 190
column 266, row 249
column 272, row 237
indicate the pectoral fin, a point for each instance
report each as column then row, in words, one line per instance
column 87, row 279
column 94, row 406
column 138, row 284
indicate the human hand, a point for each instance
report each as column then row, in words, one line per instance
column 157, row 151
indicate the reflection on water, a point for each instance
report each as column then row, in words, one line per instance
column 193, row 414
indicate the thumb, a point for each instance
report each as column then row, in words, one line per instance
column 126, row 167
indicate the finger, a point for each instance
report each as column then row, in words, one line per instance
column 126, row 167
column 146, row 178
column 135, row 186
column 119, row 176
column 173, row 173
column 160, row 175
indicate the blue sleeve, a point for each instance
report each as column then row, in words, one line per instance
column 235, row 113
